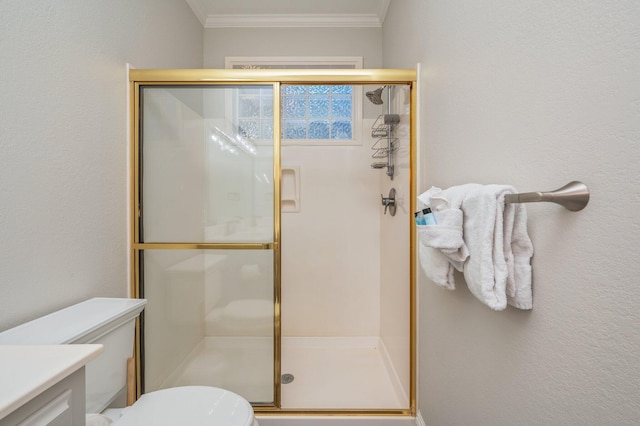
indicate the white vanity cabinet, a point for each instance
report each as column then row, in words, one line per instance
column 44, row 385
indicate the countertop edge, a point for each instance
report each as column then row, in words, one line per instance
column 51, row 364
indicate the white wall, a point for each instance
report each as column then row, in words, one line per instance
column 330, row 282
column 222, row 42
column 533, row 95
column 63, row 141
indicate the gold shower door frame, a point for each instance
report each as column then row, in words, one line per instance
column 275, row 77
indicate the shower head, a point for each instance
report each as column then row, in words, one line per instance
column 375, row 96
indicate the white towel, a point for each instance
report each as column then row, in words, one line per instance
column 447, row 235
column 436, row 266
column 442, row 247
column 496, row 251
column 519, row 285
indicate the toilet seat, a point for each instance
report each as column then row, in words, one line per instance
column 189, row 405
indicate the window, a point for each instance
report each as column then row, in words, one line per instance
column 311, row 114
column 317, row 112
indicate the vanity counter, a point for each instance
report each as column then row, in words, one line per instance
column 28, row 371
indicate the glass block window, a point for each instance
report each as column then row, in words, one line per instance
column 317, row 112
column 310, row 114
column 255, row 113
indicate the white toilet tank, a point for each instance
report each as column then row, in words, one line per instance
column 106, row 321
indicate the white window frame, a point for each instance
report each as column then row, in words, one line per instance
column 326, row 62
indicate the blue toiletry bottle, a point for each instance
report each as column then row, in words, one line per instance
column 429, row 217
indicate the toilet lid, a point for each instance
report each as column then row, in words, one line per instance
column 188, row 405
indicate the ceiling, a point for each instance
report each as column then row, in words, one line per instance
column 289, row 13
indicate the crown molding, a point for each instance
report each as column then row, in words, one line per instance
column 293, row 20
column 310, row 20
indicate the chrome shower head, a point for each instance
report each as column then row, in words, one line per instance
column 375, row 96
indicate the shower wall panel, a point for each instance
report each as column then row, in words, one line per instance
column 330, row 249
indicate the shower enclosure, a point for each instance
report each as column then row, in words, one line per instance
column 271, row 268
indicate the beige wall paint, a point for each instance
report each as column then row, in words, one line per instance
column 533, row 95
column 222, row 42
column 63, row 141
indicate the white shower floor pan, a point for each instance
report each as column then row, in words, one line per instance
column 335, row 421
column 340, row 373
column 329, row 373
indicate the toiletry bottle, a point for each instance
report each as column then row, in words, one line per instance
column 429, row 217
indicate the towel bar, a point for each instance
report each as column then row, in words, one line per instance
column 574, row 196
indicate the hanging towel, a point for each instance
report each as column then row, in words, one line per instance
column 436, row 266
column 447, row 235
column 486, row 272
column 495, row 251
column 519, row 285
column 442, row 248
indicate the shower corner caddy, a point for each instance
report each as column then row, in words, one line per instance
column 385, row 145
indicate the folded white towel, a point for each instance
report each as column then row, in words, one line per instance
column 496, row 251
column 486, row 272
column 442, row 248
column 447, row 236
column 518, row 257
column 436, row 266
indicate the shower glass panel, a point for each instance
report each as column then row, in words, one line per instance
column 206, row 229
column 207, row 172
column 200, row 330
column 246, row 293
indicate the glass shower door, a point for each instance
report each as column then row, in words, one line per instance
column 207, row 243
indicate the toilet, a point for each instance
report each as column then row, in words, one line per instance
column 111, row 322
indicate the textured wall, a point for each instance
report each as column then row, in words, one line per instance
column 533, row 94
column 63, row 141
column 222, row 42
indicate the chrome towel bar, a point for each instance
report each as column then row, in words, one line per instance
column 574, row 196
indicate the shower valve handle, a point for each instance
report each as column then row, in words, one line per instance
column 389, row 202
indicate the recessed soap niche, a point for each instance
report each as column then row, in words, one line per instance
column 290, row 192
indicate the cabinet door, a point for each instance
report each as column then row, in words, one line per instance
column 62, row 404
